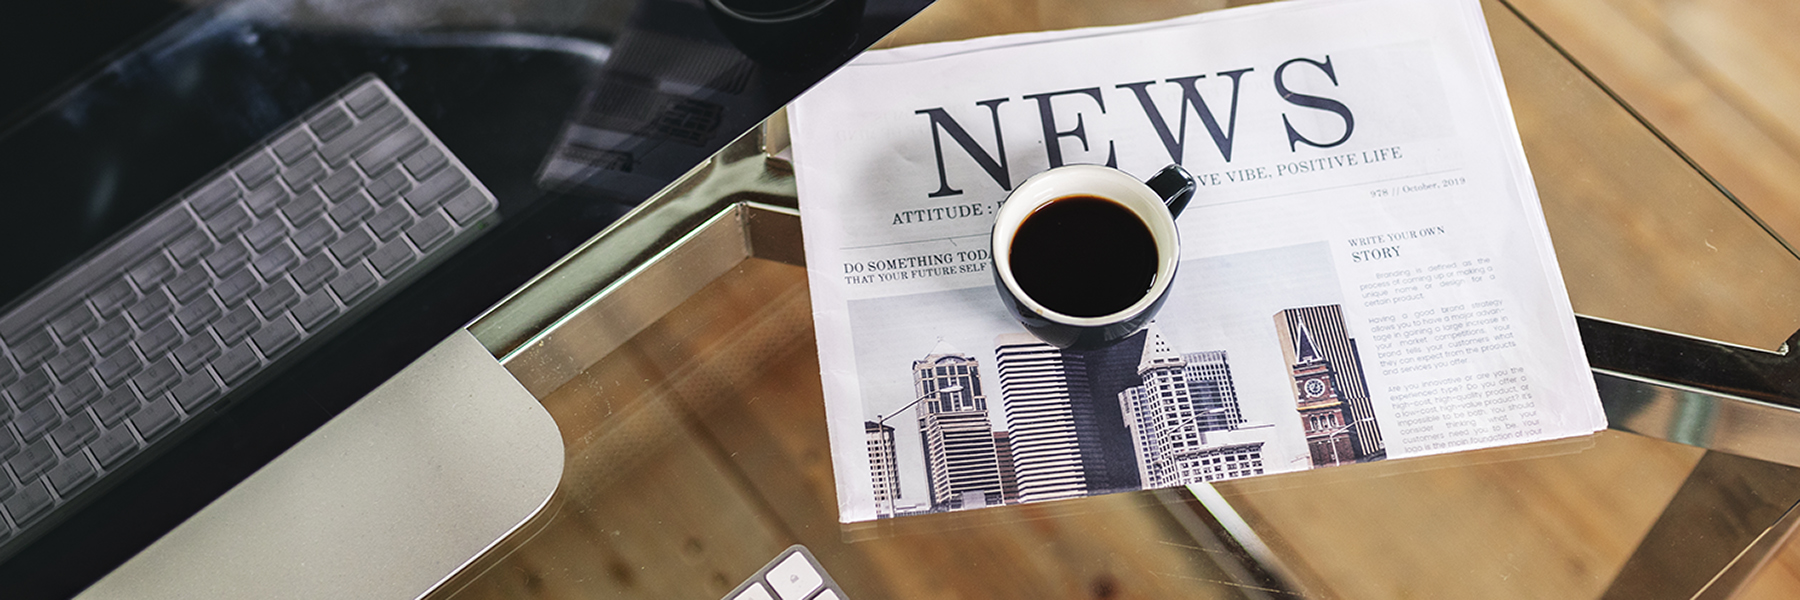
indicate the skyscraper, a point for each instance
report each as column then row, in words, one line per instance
column 884, row 470
column 1332, row 343
column 1184, row 420
column 1318, row 348
column 1111, row 370
column 1062, row 413
column 1039, row 387
column 960, row 461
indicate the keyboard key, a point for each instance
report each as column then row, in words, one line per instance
column 313, row 311
column 110, row 336
column 114, row 296
column 196, row 393
column 295, row 144
column 303, row 172
column 234, row 288
column 8, row 446
column 71, row 475
column 6, row 490
column 166, row 226
column 276, row 298
column 151, row 271
column 26, row 504
column 32, row 460
column 29, row 389
column 263, row 200
column 275, row 337
column 794, row 578
column 256, row 170
column 435, row 189
column 425, row 162
column 189, row 248
column 340, row 184
column 342, row 148
column 365, row 100
column 330, row 122
column 197, row 314
column 151, row 307
column 430, row 231
column 189, row 284
column 236, row 362
column 352, row 284
column 112, row 447
column 193, row 355
column 303, row 208
column 214, row 196
column 313, row 273
column 352, row 210
column 467, row 206
column 33, row 422
column 78, row 393
column 115, row 405
column 154, row 418
column 355, row 243
column 77, row 320
column 389, row 185
column 265, row 234
column 228, row 257
column 159, row 338
column 313, row 236
column 236, row 324
column 75, row 433
column 392, row 258
column 118, row 365
column 70, row 362
column 228, row 222
column 384, row 153
column 156, row 377
column 34, row 348
column 390, row 221
column 276, row 261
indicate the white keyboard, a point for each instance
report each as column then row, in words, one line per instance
column 793, row 575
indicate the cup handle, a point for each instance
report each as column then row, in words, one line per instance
column 1175, row 186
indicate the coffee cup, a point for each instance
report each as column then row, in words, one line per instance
column 1083, row 255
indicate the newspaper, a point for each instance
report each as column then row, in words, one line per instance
column 1365, row 274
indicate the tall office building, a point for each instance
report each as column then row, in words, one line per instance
column 963, row 470
column 1319, row 348
column 884, row 470
column 1039, row 387
column 1184, row 420
column 1111, row 370
column 1062, row 413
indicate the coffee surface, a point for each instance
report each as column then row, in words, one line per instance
column 1084, row 256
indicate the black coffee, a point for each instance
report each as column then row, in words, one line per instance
column 1084, row 256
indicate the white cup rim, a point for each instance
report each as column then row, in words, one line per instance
column 1086, row 180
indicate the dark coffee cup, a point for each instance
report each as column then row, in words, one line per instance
column 1083, row 255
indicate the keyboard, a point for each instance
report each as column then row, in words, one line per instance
column 215, row 292
column 794, row 575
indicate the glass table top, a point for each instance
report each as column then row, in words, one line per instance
column 676, row 353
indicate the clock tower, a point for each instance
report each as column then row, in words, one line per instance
column 1328, row 434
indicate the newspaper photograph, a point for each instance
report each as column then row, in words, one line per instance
column 1364, row 270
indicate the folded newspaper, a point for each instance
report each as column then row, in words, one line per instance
column 1365, row 272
